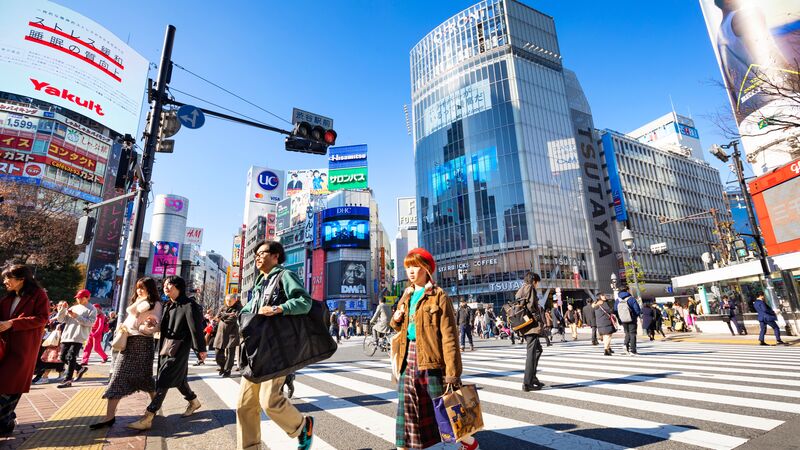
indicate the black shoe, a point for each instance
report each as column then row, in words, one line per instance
column 225, row 374
column 595, row 343
column 607, row 352
column 528, row 388
column 4, row 431
column 290, row 387
column 764, row 343
column 81, row 372
column 782, row 343
column 65, row 384
column 199, row 363
column 37, row 378
column 107, row 423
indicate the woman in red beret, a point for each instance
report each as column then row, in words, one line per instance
column 428, row 358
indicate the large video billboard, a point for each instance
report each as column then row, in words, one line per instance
column 346, row 279
column 345, row 227
column 757, row 44
column 53, row 54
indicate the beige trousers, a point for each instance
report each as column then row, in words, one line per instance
column 607, row 341
column 267, row 395
column 574, row 328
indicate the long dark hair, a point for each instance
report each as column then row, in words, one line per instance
column 23, row 272
column 149, row 285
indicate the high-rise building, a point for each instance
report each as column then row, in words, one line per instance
column 651, row 186
column 496, row 121
column 672, row 132
column 167, row 234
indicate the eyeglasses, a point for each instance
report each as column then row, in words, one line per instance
column 262, row 254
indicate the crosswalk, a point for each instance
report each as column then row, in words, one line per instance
column 674, row 395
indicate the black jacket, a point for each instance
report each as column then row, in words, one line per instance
column 602, row 313
column 182, row 320
column 464, row 316
column 588, row 315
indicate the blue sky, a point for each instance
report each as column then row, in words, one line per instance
column 349, row 60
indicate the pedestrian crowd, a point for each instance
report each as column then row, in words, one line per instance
column 430, row 335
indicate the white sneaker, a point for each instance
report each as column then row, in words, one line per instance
column 42, row 380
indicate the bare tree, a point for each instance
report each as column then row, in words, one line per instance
column 37, row 225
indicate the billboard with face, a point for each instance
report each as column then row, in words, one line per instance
column 311, row 181
column 346, row 279
column 165, row 258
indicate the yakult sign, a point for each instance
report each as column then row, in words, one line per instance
column 56, row 55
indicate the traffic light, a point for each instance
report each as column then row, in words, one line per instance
column 314, row 139
column 126, row 170
column 85, row 231
column 169, row 126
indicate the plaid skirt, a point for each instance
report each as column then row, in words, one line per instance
column 133, row 368
column 416, row 389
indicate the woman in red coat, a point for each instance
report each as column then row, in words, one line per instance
column 23, row 314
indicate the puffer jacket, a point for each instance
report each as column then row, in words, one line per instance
column 437, row 334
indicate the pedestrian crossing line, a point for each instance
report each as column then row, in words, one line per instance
column 740, row 420
column 675, row 433
column 678, row 357
column 271, row 434
column 738, row 362
column 643, row 363
column 523, row 431
column 790, row 354
column 612, row 364
column 609, row 383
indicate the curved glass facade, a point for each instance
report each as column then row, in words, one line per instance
column 498, row 182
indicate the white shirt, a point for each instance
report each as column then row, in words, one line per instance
column 14, row 305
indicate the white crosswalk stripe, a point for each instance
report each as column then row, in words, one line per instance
column 673, row 395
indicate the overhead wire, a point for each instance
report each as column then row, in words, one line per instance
column 216, row 105
column 231, row 93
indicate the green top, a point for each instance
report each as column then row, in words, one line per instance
column 412, row 309
column 298, row 301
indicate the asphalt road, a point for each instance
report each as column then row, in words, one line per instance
column 674, row 395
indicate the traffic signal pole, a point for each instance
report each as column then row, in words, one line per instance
column 148, row 157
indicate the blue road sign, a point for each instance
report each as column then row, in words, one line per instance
column 191, row 116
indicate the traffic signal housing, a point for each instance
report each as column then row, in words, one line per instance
column 85, row 231
column 168, row 127
column 307, row 138
column 126, row 171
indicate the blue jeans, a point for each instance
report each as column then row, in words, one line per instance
column 763, row 330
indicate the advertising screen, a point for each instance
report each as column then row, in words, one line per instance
column 283, row 215
column 312, row 181
column 348, row 156
column 346, row 278
column 165, row 258
column 352, row 178
column 53, row 54
column 778, row 207
column 345, row 227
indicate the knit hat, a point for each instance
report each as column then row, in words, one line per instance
column 97, row 306
column 426, row 256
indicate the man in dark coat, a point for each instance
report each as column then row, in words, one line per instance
column 588, row 316
column 464, row 317
column 766, row 316
column 527, row 294
column 226, row 341
column 728, row 311
column 649, row 322
column 181, row 330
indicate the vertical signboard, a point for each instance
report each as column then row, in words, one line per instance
column 59, row 56
column 165, row 258
column 347, row 167
column 318, row 274
column 407, row 212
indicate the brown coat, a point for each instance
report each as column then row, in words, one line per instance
column 528, row 294
column 23, row 340
column 437, row 333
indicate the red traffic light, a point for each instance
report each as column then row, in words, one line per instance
column 330, row 137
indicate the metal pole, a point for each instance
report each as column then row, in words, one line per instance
column 148, row 157
column 748, row 203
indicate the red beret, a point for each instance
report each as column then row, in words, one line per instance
column 426, row 255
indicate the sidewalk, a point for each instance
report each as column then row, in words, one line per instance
column 50, row 418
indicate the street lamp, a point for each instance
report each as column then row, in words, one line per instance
column 627, row 239
column 719, row 153
column 614, row 284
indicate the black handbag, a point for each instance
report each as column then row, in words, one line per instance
column 275, row 346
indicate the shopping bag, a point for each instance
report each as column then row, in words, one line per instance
column 458, row 413
column 120, row 339
column 51, row 354
column 395, row 357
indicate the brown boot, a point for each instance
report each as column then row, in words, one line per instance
column 193, row 406
column 145, row 423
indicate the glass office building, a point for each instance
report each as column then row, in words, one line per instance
column 499, row 186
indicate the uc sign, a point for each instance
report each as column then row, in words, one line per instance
column 268, row 180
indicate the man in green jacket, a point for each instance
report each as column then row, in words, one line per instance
column 253, row 397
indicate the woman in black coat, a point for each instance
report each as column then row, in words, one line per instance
column 606, row 321
column 226, row 341
column 181, row 330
